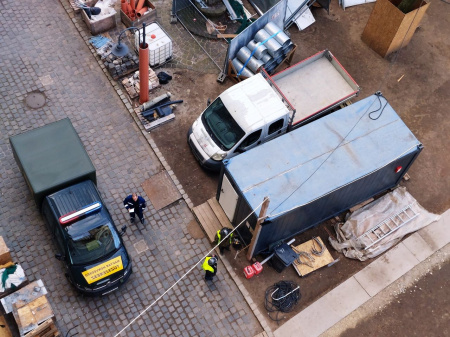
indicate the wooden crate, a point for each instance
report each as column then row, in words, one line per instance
column 388, row 27
column 148, row 17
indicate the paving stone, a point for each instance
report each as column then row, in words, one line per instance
column 53, row 58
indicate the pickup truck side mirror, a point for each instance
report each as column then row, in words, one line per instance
column 123, row 230
column 59, row 257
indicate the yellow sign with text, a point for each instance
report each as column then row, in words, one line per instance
column 102, row 270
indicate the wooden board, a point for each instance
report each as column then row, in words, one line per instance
column 207, row 219
column 4, row 329
column 24, row 296
column 46, row 329
column 226, row 36
column 28, row 317
column 219, row 213
column 319, row 261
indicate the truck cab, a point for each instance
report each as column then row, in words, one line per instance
column 242, row 117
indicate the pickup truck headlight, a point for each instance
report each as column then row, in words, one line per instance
column 219, row 156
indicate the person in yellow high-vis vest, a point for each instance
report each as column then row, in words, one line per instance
column 210, row 267
column 220, row 239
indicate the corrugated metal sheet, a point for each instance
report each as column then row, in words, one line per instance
column 282, row 165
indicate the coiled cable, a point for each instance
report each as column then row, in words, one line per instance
column 281, row 297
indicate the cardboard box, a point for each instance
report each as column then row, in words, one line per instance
column 388, row 28
column 5, row 255
column 148, row 17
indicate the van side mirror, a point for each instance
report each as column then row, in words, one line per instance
column 123, row 230
column 208, row 102
column 59, row 257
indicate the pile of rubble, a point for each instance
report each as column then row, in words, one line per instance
column 132, row 85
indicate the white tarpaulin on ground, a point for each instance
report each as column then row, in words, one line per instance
column 353, row 244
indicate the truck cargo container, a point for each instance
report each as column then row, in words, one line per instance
column 317, row 171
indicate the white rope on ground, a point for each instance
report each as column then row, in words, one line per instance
column 182, row 277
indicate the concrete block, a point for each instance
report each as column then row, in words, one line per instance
column 386, row 269
column 418, row 246
column 437, row 234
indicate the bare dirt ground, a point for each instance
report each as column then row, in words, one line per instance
column 422, row 309
column 421, row 98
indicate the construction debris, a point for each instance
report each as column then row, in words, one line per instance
column 132, row 85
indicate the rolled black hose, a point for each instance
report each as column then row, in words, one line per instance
column 281, row 297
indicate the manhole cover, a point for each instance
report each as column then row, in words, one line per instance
column 35, row 100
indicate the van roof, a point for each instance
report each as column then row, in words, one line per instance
column 253, row 103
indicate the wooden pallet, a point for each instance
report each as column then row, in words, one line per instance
column 211, row 217
column 46, row 329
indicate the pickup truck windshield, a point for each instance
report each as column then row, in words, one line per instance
column 89, row 245
column 221, row 125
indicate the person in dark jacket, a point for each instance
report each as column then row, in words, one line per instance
column 135, row 205
column 210, row 267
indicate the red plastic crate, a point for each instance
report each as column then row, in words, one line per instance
column 249, row 272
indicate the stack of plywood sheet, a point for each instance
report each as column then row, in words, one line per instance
column 319, row 261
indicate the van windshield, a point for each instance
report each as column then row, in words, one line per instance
column 221, row 126
column 89, row 244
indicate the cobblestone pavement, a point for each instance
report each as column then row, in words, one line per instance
column 42, row 51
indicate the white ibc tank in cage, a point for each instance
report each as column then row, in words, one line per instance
column 159, row 44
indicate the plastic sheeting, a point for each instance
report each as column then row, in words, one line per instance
column 349, row 241
column 13, row 279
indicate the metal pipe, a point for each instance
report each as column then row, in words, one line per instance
column 238, row 66
column 281, row 37
column 261, row 49
column 273, row 47
column 259, row 11
column 156, row 100
column 244, row 55
column 150, row 111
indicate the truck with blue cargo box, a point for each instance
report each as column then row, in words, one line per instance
column 62, row 180
column 317, row 171
column 264, row 107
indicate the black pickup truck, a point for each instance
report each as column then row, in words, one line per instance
column 62, row 179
